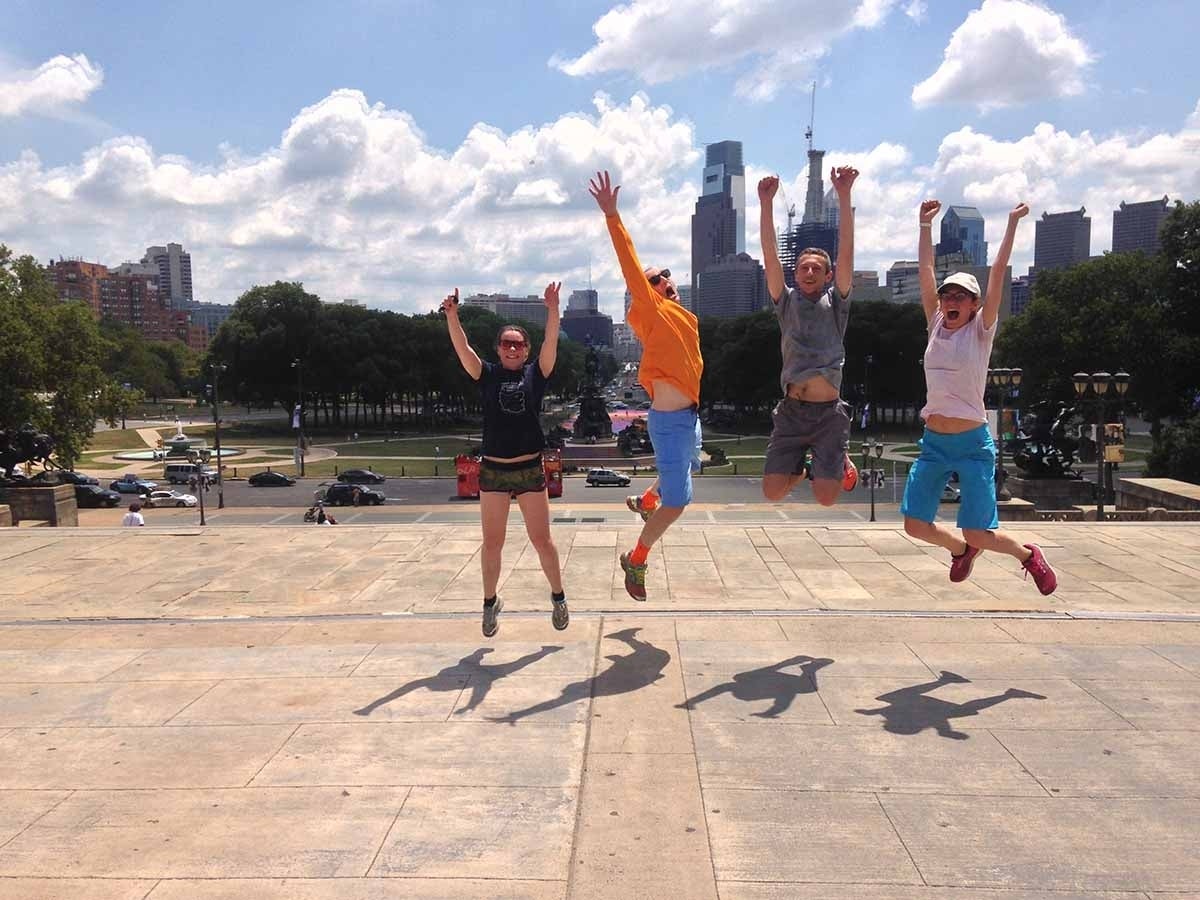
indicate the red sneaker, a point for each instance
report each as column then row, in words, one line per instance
column 849, row 475
column 961, row 566
column 1039, row 568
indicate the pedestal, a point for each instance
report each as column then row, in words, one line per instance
column 1052, row 493
column 54, row 504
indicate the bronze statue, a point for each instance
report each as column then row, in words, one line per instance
column 23, row 445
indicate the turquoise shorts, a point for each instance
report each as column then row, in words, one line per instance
column 971, row 454
column 676, row 439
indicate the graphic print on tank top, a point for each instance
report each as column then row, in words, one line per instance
column 512, row 397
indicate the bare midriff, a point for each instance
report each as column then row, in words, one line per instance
column 668, row 398
column 513, row 459
column 813, row 390
column 950, row 424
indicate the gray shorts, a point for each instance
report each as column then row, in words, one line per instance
column 798, row 426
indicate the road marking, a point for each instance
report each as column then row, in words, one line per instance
column 278, row 519
column 422, row 517
column 861, row 519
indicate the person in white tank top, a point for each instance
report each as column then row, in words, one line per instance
column 957, row 439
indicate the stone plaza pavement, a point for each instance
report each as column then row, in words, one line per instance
column 797, row 712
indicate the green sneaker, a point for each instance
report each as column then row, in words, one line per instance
column 635, row 505
column 635, row 578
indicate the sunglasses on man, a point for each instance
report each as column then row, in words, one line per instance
column 655, row 279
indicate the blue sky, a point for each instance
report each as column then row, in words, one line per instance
column 390, row 150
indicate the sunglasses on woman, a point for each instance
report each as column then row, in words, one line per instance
column 655, row 279
column 512, row 345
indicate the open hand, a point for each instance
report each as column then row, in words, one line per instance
column 767, row 188
column 843, row 179
column 450, row 304
column 601, row 188
column 929, row 210
column 550, row 298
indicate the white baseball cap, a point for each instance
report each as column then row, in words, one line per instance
column 963, row 280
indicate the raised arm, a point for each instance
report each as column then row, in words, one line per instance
column 468, row 357
column 843, row 180
column 995, row 291
column 929, row 294
column 644, row 300
column 549, row 352
column 766, row 226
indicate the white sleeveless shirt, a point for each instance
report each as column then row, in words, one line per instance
column 956, row 366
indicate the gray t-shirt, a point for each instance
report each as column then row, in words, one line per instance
column 812, row 335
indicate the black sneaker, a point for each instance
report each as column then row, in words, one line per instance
column 561, row 616
column 491, row 617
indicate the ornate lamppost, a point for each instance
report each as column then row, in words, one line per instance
column 1100, row 382
column 217, row 370
column 1007, row 383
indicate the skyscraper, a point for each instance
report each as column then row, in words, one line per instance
column 733, row 286
column 962, row 232
column 1062, row 239
column 719, row 221
column 586, row 299
column 174, row 271
column 819, row 225
column 1136, row 226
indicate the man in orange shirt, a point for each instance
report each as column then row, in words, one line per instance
column 670, row 372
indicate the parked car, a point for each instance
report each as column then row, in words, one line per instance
column 169, row 498
column 131, row 484
column 270, row 479
column 343, row 494
column 183, row 473
column 92, row 496
column 64, row 476
column 361, row 476
column 950, row 493
column 596, row 477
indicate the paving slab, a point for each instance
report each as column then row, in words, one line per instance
column 1055, row 660
column 628, row 847
column 313, row 832
column 744, row 891
column 104, row 703
column 1053, row 844
column 447, row 754
column 835, row 660
column 838, row 838
column 73, row 889
column 954, row 707
column 512, row 658
column 478, row 832
column 355, row 889
column 39, row 666
column 217, row 663
column 1108, row 763
column 20, row 809
column 825, row 758
column 116, row 758
column 298, row 700
column 1151, row 705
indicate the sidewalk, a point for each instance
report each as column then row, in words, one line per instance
column 798, row 712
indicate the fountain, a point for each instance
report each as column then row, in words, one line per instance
column 176, row 447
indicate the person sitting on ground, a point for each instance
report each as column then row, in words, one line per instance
column 510, row 464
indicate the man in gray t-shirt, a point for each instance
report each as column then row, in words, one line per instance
column 812, row 323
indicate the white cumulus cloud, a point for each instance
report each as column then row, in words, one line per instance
column 58, row 82
column 777, row 40
column 1006, row 53
column 354, row 201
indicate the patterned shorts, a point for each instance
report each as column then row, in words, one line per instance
column 512, row 478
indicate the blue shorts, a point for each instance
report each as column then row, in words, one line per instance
column 676, row 439
column 972, row 455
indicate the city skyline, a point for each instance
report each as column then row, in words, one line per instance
column 310, row 157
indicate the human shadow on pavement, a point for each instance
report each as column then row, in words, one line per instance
column 640, row 668
column 480, row 677
column 910, row 711
column 767, row 683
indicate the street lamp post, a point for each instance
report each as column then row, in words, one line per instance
column 217, row 369
column 876, row 447
column 1004, row 380
column 1100, row 382
column 299, row 367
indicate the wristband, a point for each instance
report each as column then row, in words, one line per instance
column 926, row 224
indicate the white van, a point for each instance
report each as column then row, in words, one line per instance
column 184, row 472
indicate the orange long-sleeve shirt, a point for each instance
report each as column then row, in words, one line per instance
column 670, row 335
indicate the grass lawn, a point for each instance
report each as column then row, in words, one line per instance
column 116, row 439
column 423, row 446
